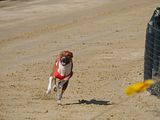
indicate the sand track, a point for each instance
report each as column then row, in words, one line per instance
column 107, row 39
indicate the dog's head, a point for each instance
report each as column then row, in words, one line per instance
column 66, row 57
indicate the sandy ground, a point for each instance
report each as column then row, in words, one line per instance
column 107, row 38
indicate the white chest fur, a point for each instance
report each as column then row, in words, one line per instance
column 64, row 70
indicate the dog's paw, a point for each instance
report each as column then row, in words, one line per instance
column 54, row 88
column 48, row 91
column 59, row 102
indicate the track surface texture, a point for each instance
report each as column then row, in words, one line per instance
column 107, row 38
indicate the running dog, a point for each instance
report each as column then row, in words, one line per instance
column 62, row 70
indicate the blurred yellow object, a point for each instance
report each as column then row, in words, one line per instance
column 138, row 87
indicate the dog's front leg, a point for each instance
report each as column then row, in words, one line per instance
column 49, row 85
column 62, row 85
column 54, row 88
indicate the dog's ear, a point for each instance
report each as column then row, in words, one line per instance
column 70, row 54
column 66, row 53
column 62, row 54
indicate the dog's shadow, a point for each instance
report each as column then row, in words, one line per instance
column 92, row 101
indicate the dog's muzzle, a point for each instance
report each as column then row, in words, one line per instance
column 65, row 60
